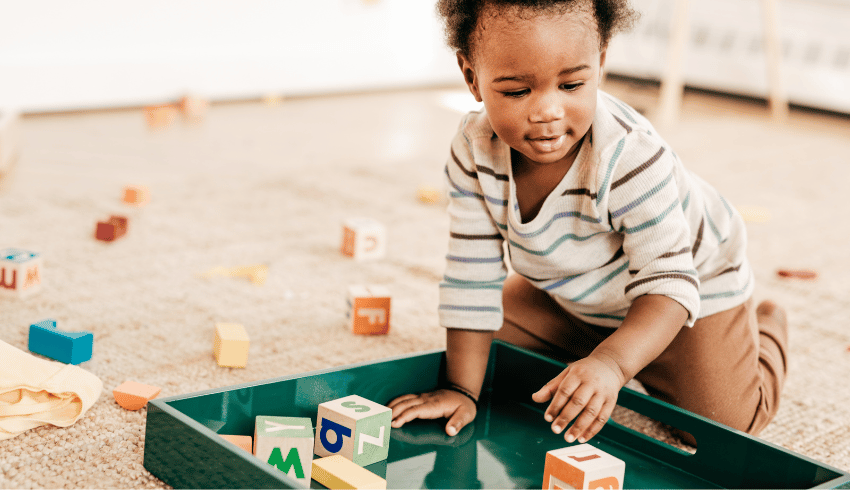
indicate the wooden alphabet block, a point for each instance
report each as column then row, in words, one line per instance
column 67, row 347
column 363, row 239
column 582, row 467
column 287, row 444
column 133, row 396
column 244, row 442
column 20, row 272
column 369, row 309
column 160, row 116
column 338, row 472
column 112, row 229
column 137, row 195
column 230, row 345
column 193, row 108
column 355, row 428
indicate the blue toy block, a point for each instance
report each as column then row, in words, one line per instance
column 67, row 347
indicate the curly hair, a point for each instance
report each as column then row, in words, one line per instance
column 461, row 17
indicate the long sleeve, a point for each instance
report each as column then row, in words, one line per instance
column 471, row 289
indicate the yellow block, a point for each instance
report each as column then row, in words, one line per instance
column 338, row 472
column 231, row 345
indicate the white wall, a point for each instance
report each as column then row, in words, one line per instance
column 59, row 55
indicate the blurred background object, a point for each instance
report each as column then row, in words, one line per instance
column 93, row 54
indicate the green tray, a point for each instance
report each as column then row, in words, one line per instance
column 504, row 447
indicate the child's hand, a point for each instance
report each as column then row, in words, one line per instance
column 585, row 391
column 434, row 405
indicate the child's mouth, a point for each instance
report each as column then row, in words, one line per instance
column 547, row 144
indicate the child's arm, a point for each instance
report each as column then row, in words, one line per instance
column 467, row 352
column 587, row 389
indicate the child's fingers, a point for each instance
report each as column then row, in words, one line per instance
column 459, row 419
column 400, row 399
column 599, row 421
column 591, row 414
column 545, row 394
column 573, row 407
column 405, row 410
column 563, row 395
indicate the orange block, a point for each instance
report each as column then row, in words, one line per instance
column 160, row 116
column 245, row 442
column 133, row 396
column 136, row 194
column 369, row 309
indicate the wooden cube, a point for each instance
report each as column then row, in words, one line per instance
column 339, row 472
column 363, row 239
column 137, row 195
column 193, row 108
column 160, row 116
column 244, row 442
column 112, row 229
column 287, row 444
column 67, row 347
column 20, row 272
column 369, row 309
column 231, row 345
column 355, row 428
column 582, row 467
column 133, row 396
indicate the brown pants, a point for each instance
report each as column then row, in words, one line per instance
column 729, row 367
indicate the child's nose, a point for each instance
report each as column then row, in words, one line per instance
column 547, row 108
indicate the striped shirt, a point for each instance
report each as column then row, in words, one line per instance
column 637, row 223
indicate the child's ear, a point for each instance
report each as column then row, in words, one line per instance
column 469, row 75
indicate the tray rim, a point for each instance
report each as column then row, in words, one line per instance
column 163, row 405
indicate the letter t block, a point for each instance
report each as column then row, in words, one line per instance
column 287, row 444
column 355, row 428
column 582, row 467
column 369, row 309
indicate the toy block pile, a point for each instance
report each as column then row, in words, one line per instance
column 351, row 432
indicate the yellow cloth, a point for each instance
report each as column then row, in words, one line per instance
column 36, row 392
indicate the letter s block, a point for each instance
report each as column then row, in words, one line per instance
column 355, row 428
column 582, row 467
column 369, row 309
column 20, row 272
column 363, row 238
column 287, row 444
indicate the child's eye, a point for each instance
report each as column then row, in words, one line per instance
column 515, row 93
column 571, row 86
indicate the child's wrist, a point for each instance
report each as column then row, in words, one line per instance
column 461, row 390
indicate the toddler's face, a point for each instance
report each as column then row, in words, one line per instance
column 537, row 77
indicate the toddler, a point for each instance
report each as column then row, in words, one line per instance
column 624, row 263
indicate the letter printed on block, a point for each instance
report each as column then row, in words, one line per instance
column 582, row 467
column 287, row 444
column 355, row 428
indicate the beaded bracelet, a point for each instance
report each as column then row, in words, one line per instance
column 461, row 391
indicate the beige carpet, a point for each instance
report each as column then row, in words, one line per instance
column 259, row 184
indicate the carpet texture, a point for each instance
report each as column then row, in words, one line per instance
column 254, row 184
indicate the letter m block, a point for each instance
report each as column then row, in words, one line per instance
column 20, row 272
column 355, row 428
column 582, row 467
